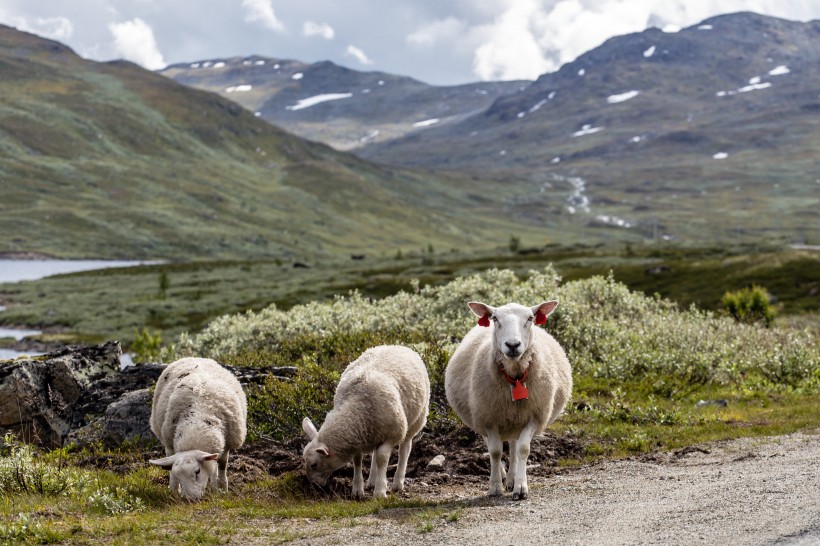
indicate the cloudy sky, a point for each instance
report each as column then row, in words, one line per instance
column 437, row 41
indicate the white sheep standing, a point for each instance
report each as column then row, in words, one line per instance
column 507, row 381
column 381, row 401
column 199, row 413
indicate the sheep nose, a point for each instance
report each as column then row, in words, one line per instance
column 513, row 345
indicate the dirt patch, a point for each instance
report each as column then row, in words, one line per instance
column 466, row 463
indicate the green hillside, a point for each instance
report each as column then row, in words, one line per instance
column 110, row 160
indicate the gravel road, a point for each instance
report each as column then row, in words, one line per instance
column 747, row 491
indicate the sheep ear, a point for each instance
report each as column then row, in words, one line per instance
column 205, row 456
column 543, row 310
column 480, row 309
column 310, row 430
column 323, row 450
column 166, row 463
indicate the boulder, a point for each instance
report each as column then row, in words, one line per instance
column 80, row 395
column 128, row 419
column 38, row 395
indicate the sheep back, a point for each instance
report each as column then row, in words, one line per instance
column 481, row 397
column 382, row 396
column 199, row 393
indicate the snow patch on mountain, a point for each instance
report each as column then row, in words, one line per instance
column 318, row 99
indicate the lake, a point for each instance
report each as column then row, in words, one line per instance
column 30, row 270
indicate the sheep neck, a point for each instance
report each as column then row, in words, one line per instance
column 345, row 432
column 514, row 369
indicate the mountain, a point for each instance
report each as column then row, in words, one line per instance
column 704, row 135
column 708, row 133
column 344, row 108
column 110, row 160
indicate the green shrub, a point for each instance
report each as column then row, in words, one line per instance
column 114, row 501
column 749, row 305
column 21, row 471
column 146, row 346
column 608, row 331
column 23, row 530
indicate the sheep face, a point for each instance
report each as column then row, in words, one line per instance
column 319, row 461
column 512, row 324
column 191, row 471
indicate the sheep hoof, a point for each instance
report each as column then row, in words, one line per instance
column 520, row 496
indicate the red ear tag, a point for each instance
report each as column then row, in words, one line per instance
column 540, row 318
column 485, row 320
column 519, row 392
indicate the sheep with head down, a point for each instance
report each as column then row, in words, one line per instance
column 199, row 413
column 381, row 401
column 508, row 380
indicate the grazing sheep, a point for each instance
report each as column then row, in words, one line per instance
column 382, row 400
column 199, row 414
column 508, row 381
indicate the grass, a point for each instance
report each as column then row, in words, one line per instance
column 274, row 509
column 619, row 419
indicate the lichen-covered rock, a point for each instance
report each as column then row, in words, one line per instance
column 38, row 395
column 127, row 419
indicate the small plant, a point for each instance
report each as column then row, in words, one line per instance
column 20, row 472
column 116, row 501
column 749, row 305
column 147, row 346
column 23, row 529
column 515, row 244
column 164, row 283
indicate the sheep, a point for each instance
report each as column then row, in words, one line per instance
column 199, row 413
column 508, row 381
column 382, row 400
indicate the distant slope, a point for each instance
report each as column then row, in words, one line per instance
column 709, row 133
column 110, row 160
column 341, row 107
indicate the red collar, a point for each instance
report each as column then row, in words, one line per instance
column 509, row 379
column 517, row 390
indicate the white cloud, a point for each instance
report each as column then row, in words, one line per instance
column 135, row 41
column 324, row 30
column 358, row 54
column 530, row 37
column 512, row 51
column 261, row 11
column 55, row 28
column 440, row 30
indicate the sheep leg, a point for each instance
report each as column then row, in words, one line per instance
column 371, row 477
column 222, row 471
column 496, row 447
column 404, row 454
column 358, row 479
column 522, row 453
column 382, row 456
column 509, row 482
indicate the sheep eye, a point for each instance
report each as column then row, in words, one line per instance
column 314, row 465
column 529, row 319
column 197, row 472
